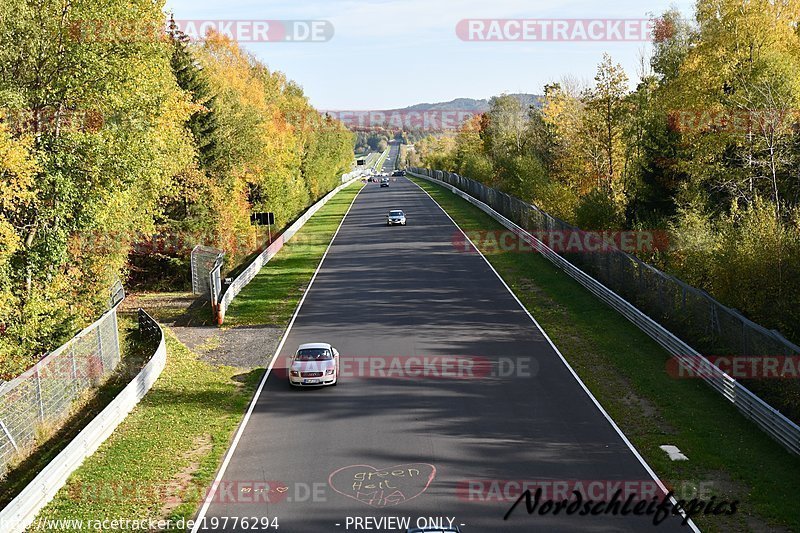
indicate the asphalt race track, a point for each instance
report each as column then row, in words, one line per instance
column 383, row 444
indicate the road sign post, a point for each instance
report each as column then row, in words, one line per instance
column 264, row 219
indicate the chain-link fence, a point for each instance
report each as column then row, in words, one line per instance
column 44, row 393
column 205, row 260
column 18, row 515
column 689, row 313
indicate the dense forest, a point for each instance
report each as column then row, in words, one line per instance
column 706, row 146
column 372, row 141
column 377, row 139
column 124, row 145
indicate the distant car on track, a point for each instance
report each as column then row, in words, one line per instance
column 396, row 217
column 314, row 365
column 384, row 182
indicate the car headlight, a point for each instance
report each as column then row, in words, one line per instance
column 294, row 373
column 329, row 372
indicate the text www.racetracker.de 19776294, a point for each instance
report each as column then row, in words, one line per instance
column 206, row 523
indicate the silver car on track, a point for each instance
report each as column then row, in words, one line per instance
column 314, row 365
column 396, row 217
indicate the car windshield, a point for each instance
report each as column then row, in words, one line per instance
column 314, row 354
column 395, row 213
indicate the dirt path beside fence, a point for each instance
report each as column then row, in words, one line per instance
column 244, row 347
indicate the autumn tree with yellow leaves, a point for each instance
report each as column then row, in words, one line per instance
column 113, row 140
column 706, row 146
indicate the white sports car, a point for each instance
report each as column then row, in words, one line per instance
column 314, row 365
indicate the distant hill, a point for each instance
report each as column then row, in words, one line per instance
column 469, row 104
column 459, row 104
column 436, row 117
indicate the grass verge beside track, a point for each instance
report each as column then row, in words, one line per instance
column 271, row 297
column 729, row 457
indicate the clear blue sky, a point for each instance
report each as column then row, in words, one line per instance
column 377, row 43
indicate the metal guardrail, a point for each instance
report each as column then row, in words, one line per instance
column 378, row 165
column 220, row 307
column 769, row 419
column 117, row 294
column 215, row 283
column 22, row 510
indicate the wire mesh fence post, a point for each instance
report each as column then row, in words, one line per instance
column 39, row 393
column 100, row 351
column 74, row 365
column 8, row 436
column 118, row 355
